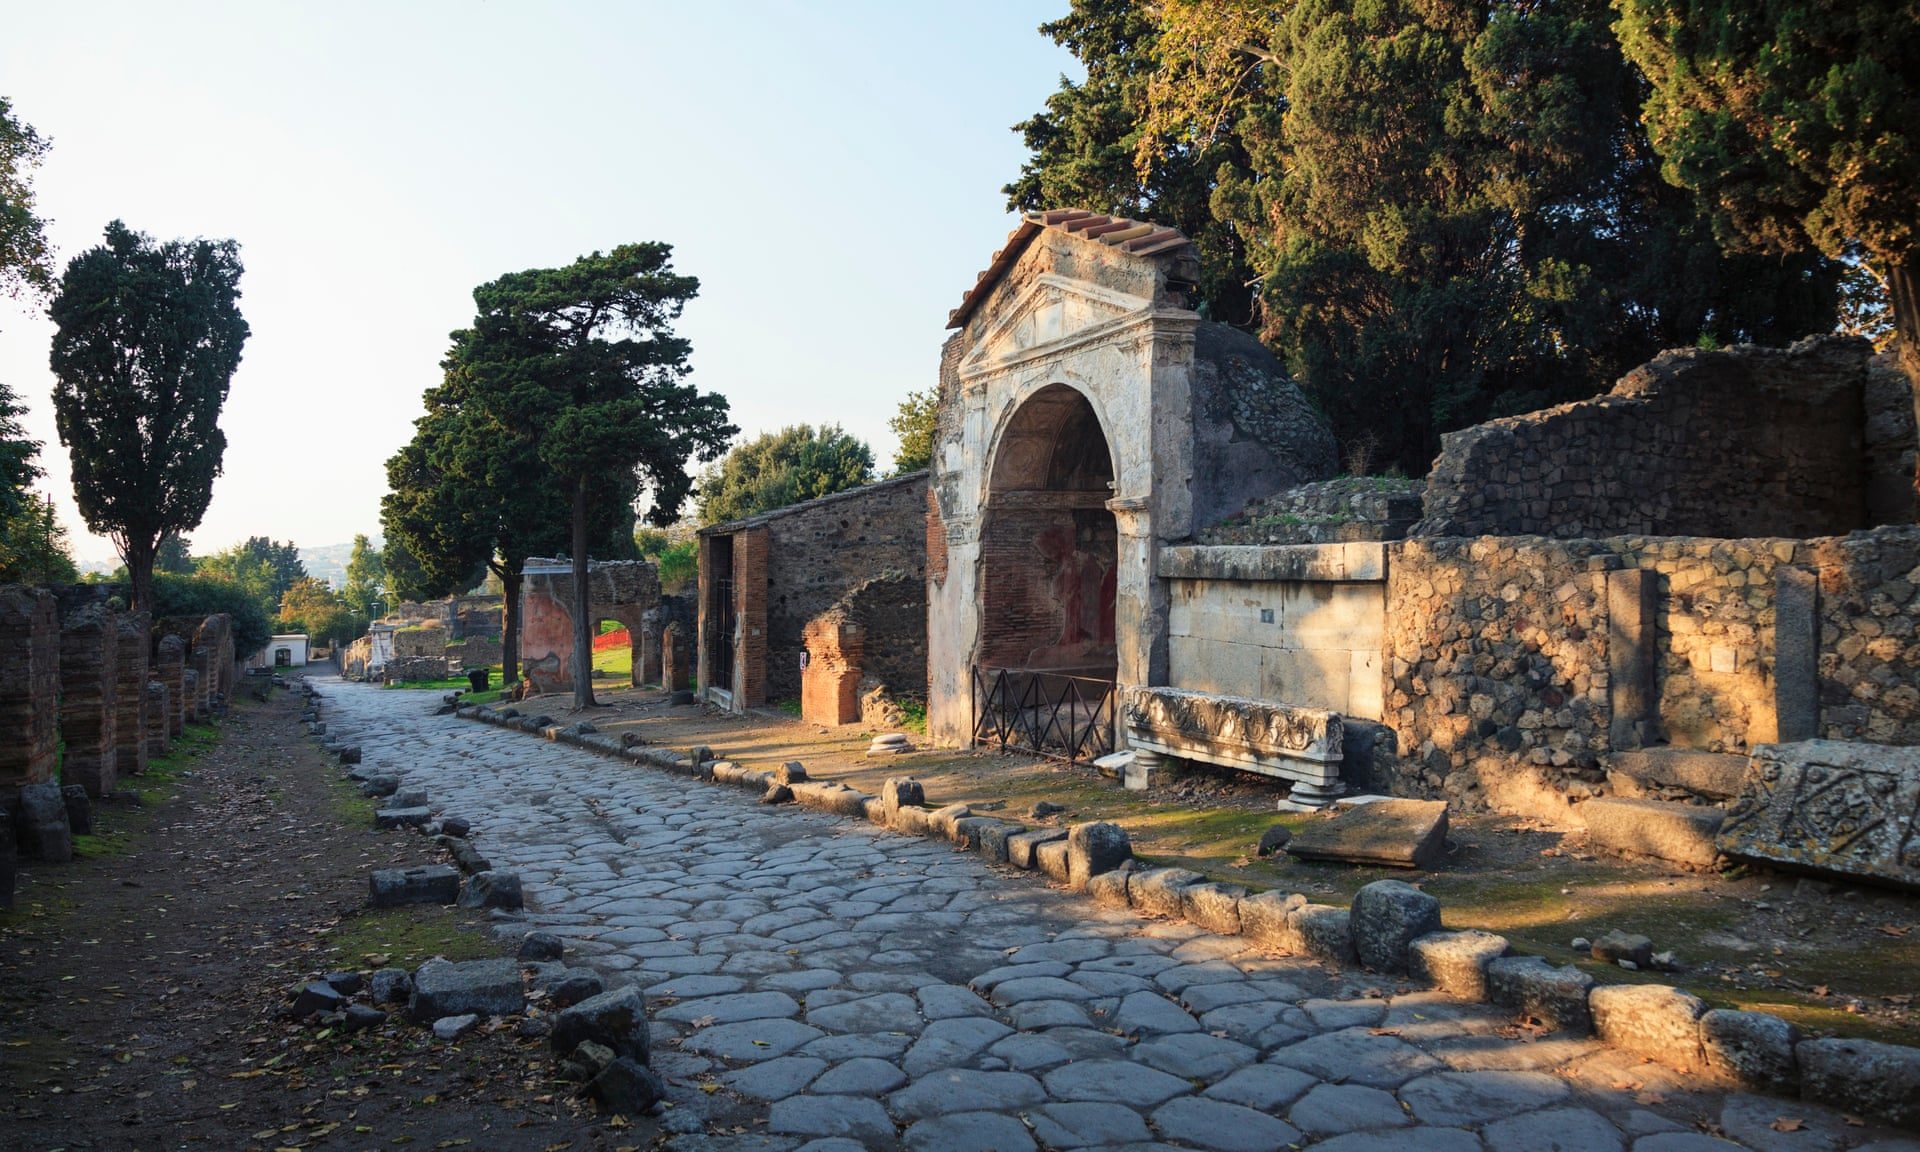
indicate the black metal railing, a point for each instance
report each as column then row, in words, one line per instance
column 1045, row 713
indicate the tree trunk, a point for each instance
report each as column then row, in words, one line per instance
column 509, row 627
column 139, row 558
column 582, row 604
column 1903, row 290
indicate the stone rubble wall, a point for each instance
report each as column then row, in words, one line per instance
column 1890, row 441
column 1746, row 442
column 1346, row 508
column 425, row 640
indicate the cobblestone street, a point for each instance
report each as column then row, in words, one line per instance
column 816, row 982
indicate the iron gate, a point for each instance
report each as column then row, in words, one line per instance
column 1046, row 713
column 720, row 627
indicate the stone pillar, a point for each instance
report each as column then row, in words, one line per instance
column 30, row 674
column 1796, row 655
column 170, row 666
column 89, row 711
column 830, row 683
column 676, row 660
column 1632, row 608
column 158, row 711
column 130, row 696
column 190, row 685
column 646, row 669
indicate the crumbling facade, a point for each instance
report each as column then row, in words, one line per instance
column 764, row 579
column 620, row 590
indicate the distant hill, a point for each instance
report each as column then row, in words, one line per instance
column 329, row 562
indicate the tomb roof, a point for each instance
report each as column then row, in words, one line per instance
column 1134, row 237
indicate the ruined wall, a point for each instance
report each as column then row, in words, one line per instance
column 425, row 640
column 476, row 651
column 1742, row 443
column 1890, row 443
column 30, row 668
column 89, row 714
column 623, row 590
column 1869, row 657
column 1344, row 509
column 134, row 633
column 170, row 668
column 401, row 669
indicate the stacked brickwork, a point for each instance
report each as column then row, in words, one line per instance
column 1743, row 443
column 830, row 686
column 30, row 668
column 159, row 706
column 170, row 668
column 134, row 634
column 89, row 713
column 676, row 658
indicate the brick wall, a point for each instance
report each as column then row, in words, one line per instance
column 1742, row 443
column 89, row 713
column 30, row 669
column 135, row 630
column 1047, row 588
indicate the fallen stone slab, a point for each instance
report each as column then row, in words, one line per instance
column 1388, row 916
column 40, row 825
column 1838, row 808
column 1093, row 849
column 1862, row 1076
column 616, row 1019
column 1528, row 985
column 493, row 889
column 402, row 817
column 1677, row 833
column 1385, row 833
column 1651, row 1020
column 1714, row 775
column 482, row 987
column 426, row 884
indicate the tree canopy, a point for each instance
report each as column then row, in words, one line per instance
column 26, row 262
column 310, row 606
column 775, row 469
column 265, row 569
column 148, row 338
column 913, row 423
column 365, row 588
column 205, row 595
column 1450, row 211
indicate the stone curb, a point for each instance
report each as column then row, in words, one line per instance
column 1392, row 925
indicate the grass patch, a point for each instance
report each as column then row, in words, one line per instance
column 913, row 715
column 443, row 684
column 408, row 936
column 789, row 707
column 615, row 662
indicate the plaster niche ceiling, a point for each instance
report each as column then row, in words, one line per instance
column 1051, row 314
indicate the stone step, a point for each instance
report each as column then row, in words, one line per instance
column 1709, row 775
column 1660, row 829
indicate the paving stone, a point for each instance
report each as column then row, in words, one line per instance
column 964, row 1090
column 730, row 1009
column 886, row 1012
column 945, row 1043
column 1115, row 1082
column 850, row 1116
column 1265, row 1087
column 1357, row 1056
column 1150, row 1013
column 1749, row 1121
column 1554, row 1130
column 1221, row 1126
column 1087, row 1125
column 1466, row 1099
column 880, row 1046
column 861, row 1076
column 1331, row 1015
column 1194, row 1055
column 1038, row 988
column 942, row 1001
column 969, row 1132
column 1404, row 1140
column 1031, row 1015
column 1332, row 1109
column 1026, row 1052
column 1682, row 1142
column 751, row 1040
column 776, row 1079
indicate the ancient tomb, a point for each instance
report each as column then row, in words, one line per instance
column 619, row 590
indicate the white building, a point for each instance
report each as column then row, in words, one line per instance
column 286, row 651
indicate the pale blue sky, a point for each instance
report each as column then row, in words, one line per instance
column 829, row 171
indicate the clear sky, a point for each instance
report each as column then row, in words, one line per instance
column 830, row 171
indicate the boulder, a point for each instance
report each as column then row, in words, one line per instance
column 617, row 1019
column 1753, row 1048
column 541, row 946
column 1093, row 849
column 493, row 889
column 1456, row 962
column 1388, row 916
column 426, row 884
column 315, row 996
column 360, row 1017
column 350, row 754
column 1530, row 986
column 571, row 986
column 455, row 826
column 1651, row 1020
column 1389, row 833
column 482, row 987
column 390, row 986
column 40, row 824
column 1274, row 839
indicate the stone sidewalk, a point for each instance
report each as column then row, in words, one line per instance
column 846, row 987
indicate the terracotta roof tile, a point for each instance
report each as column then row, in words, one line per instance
column 1134, row 237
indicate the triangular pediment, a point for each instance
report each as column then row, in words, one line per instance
column 1052, row 311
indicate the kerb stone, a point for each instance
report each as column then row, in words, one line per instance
column 1530, row 986
column 427, row 884
column 1456, row 962
column 1651, row 1020
column 1215, row 907
column 1157, row 890
column 1093, row 849
column 1021, row 846
column 1754, row 1048
column 1388, row 916
column 1862, row 1076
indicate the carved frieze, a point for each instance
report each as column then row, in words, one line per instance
column 1852, row 810
column 1258, row 735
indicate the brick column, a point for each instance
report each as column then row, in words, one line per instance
column 130, row 694
column 89, row 711
column 170, row 668
column 750, row 599
column 30, row 669
column 158, row 710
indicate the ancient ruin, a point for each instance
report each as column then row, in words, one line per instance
column 170, row 669
column 89, row 684
column 131, row 664
column 620, row 590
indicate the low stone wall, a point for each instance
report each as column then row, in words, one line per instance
column 405, row 668
column 1746, row 442
column 475, row 652
column 1343, row 509
column 427, row 640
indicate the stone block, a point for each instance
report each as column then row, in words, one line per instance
column 627, row 1087
column 1323, row 932
column 836, row 798
column 1632, row 640
column 1713, row 775
column 1528, row 985
column 1215, row 907
column 40, row 825
column 1389, row 833
column 615, row 1019
column 1109, row 889
column 900, row 792
column 427, row 884
column 1093, row 849
column 1051, row 858
column 1651, row 1020
column 1456, row 962
column 402, row 817
column 911, row 820
column 1753, row 1048
column 1677, row 833
column 1156, row 892
column 1022, row 846
column 1616, row 946
column 790, row 773
column 480, row 987
column 1796, row 656
column 1263, row 920
column 410, row 798
column 993, row 836
column 1832, row 807
column 941, row 820
column 1864, row 1077
column 492, row 889
column 1388, row 916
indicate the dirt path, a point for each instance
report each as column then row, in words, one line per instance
column 140, row 986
